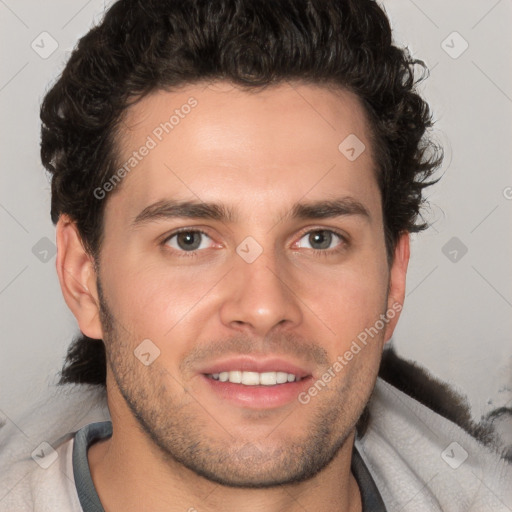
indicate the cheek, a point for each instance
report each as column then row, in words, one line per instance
column 159, row 302
column 349, row 299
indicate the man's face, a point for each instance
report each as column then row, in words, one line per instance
column 272, row 288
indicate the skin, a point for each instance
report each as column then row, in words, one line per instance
column 176, row 444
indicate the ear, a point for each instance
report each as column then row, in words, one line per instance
column 397, row 280
column 77, row 277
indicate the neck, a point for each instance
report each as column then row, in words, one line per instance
column 139, row 478
column 131, row 473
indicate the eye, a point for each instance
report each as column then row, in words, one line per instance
column 188, row 240
column 321, row 240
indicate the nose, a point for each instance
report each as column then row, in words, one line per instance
column 259, row 296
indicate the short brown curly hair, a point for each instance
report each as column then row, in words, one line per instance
column 145, row 45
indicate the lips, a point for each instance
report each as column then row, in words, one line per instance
column 249, row 382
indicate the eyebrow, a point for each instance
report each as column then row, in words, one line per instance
column 323, row 209
column 340, row 207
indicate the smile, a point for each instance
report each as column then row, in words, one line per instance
column 254, row 378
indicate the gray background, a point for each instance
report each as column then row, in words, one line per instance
column 457, row 317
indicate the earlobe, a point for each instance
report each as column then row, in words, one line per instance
column 77, row 276
column 397, row 282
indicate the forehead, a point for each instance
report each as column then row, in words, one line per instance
column 216, row 142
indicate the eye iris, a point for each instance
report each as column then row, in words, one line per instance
column 186, row 240
column 324, row 238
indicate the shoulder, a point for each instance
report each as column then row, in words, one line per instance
column 423, row 461
column 42, row 482
column 36, row 470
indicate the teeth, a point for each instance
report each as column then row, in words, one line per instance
column 235, row 377
column 250, row 378
column 254, row 378
column 282, row 377
column 268, row 378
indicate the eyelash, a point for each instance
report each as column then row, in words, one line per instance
column 318, row 252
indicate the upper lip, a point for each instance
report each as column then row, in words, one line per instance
column 253, row 364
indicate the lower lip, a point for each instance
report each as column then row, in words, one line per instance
column 258, row 397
